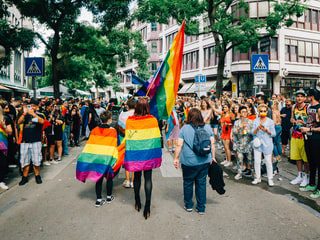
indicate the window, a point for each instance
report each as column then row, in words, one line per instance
column 315, row 53
column 169, row 40
column 160, row 47
column 144, row 33
column 301, row 51
column 253, row 10
column 274, row 49
column 263, row 9
column 153, row 27
column 191, row 61
column 154, row 47
column 315, row 20
column 153, row 67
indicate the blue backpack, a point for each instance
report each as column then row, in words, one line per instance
column 201, row 142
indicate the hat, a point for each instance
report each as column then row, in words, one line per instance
column 260, row 94
column 34, row 101
column 301, row 92
column 315, row 93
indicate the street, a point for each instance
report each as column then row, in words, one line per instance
column 63, row 208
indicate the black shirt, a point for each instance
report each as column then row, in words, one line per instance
column 31, row 130
column 285, row 121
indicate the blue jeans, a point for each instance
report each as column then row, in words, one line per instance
column 277, row 147
column 65, row 140
column 198, row 175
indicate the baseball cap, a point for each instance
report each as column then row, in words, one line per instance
column 260, row 94
column 301, row 92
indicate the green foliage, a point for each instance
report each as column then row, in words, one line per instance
column 13, row 37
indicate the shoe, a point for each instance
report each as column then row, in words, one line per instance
column 54, row 162
column 296, row 181
column 305, row 180
column 131, row 184
column 3, row 186
column 224, row 162
column 146, row 211
column 238, row 176
column 228, row 164
column 256, row 181
column 235, row 167
column 59, row 159
column 12, row 166
column 38, row 179
column 308, row 188
column 200, row 212
column 110, row 199
column 315, row 194
column 245, row 170
column 137, row 205
column 46, row 163
column 270, row 183
column 100, row 202
column 23, row 181
column 126, row 184
column 248, row 173
column 187, row 209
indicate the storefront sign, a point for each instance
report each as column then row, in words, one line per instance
column 260, row 78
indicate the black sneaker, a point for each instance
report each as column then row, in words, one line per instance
column 100, row 202
column 245, row 170
column 248, row 173
column 110, row 199
column 38, row 179
column 23, row 181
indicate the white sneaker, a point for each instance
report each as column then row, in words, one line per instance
column 224, row 162
column 3, row 186
column 256, row 181
column 228, row 164
column 297, row 180
column 12, row 166
column 131, row 184
column 270, row 183
column 305, row 180
column 126, row 184
column 54, row 162
column 238, row 176
column 46, row 163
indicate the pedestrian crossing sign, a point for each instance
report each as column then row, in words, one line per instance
column 260, row 63
column 34, row 66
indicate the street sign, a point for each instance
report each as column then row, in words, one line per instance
column 260, row 63
column 200, row 78
column 260, row 78
column 34, row 66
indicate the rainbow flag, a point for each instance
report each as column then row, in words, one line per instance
column 3, row 141
column 163, row 89
column 99, row 155
column 143, row 144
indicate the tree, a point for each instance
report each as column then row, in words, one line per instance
column 229, row 22
column 12, row 37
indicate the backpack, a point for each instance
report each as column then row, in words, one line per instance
column 201, row 142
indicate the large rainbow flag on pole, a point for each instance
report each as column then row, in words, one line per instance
column 163, row 89
column 101, row 156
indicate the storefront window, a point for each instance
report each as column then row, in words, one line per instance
column 290, row 85
column 247, row 87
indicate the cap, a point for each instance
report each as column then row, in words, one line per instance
column 315, row 93
column 260, row 94
column 301, row 92
column 34, row 101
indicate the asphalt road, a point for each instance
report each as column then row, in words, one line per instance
column 63, row 208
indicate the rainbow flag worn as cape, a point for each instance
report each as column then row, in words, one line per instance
column 99, row 155
column 3, row 141
column 163, row 89
column 143, row 144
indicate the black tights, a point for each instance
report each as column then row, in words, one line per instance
column 99, row 187
column 147, row 185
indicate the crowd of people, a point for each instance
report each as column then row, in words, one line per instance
column 253, row 133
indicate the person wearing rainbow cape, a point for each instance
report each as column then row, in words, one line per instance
column 100, row 158
column 143, row 150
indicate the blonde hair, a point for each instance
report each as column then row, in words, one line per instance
column 1, row 115
column 262, row 106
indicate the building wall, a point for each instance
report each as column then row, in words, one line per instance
column 286, row 73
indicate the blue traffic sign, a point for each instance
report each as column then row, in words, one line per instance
column 34, row 66
column 200, row 78
column 259, row 63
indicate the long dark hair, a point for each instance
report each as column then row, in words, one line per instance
column 195, row 117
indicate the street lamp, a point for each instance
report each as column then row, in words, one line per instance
column 2, row 52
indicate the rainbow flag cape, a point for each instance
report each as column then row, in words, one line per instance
column 143, row 144
column 99, row 155
column 3, row 141
column 163, row 89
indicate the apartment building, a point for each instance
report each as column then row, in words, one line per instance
column 294, row 55
column 13, row 81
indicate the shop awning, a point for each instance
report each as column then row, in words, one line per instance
column 205, row 87
column 17, row 88
column 185, row 88
column 82, row 93
column 4, row 89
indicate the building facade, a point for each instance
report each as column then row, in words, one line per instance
column 294, row 55
column 13, row 81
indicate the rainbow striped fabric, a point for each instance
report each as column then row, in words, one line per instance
column 163, row 89
column 3, row 141
column 99, row 155
column 143, row 144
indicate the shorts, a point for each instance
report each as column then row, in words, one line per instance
column 30, row 152
column 214, row 125
column 285, row 136
column 297, row 150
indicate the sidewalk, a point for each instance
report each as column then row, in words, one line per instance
column 46, row 172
